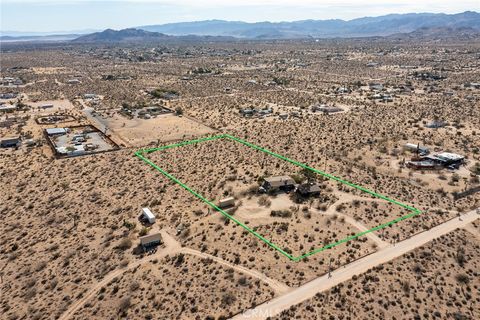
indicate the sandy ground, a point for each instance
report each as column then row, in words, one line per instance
column 275, row 306
column 69, row 224
column 140, row 132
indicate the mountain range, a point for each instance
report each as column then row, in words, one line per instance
column 362, row 27
column 402, row 25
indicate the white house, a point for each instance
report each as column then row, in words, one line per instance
column 56, row 131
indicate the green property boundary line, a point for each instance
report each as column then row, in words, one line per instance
column 141, row 154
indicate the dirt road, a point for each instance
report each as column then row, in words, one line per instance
column 308, row 290
column 277, row 286
column 172, row 247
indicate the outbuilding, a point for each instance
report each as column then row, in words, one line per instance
column 148, row 216
column 247, row 112
column 149, row 241
column 89, row 96
column 7, row 108
column 309, row 189
column 416, row 148
column 56, row 131
column 423, row 165
column 226, row 203
column 10, row 142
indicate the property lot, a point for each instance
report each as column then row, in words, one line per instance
column 142, row 132
column 78, row 141
column 283, row 236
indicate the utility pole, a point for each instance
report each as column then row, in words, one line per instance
column 329, row 267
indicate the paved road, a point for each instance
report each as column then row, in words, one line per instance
column 308, row 290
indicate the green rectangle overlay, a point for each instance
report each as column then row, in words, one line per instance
column 142, row 155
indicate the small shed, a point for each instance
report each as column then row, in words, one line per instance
column 7, row 108
column 148, row 215
column 89, row 96
column 416, row 148
column 10, row 142
column 151, row 240
column 247, row 112
column 226, row 203
column 436, row 124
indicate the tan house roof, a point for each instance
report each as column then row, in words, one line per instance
column 279, row 181
column 145, row 240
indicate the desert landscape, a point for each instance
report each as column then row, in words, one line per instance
column 355, row 195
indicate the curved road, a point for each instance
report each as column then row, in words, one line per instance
column 172, row 246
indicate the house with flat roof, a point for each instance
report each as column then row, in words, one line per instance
column 436, row 124
column 447, row 159
column 8, row 95
column 150, row 241
column 278, row 183
column 56, row 131
column 308, row 189
column 8, row 108
column 10, row 142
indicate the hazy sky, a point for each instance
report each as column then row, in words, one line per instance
column 57, row 15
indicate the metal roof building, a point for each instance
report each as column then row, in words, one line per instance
column 55, row 131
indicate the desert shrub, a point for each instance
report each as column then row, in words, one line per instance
column 124, row 304
column 179, row 259
column 243, row 281
column 462, row 278
column 129, row 225
column 460, row 257
column 281, row 213
column 125, row 244
column 144, row 231
column 228, row 298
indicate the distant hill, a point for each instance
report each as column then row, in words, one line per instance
column 125, row 35
column 362, row 27
column 137, row 35
column 440, row 33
